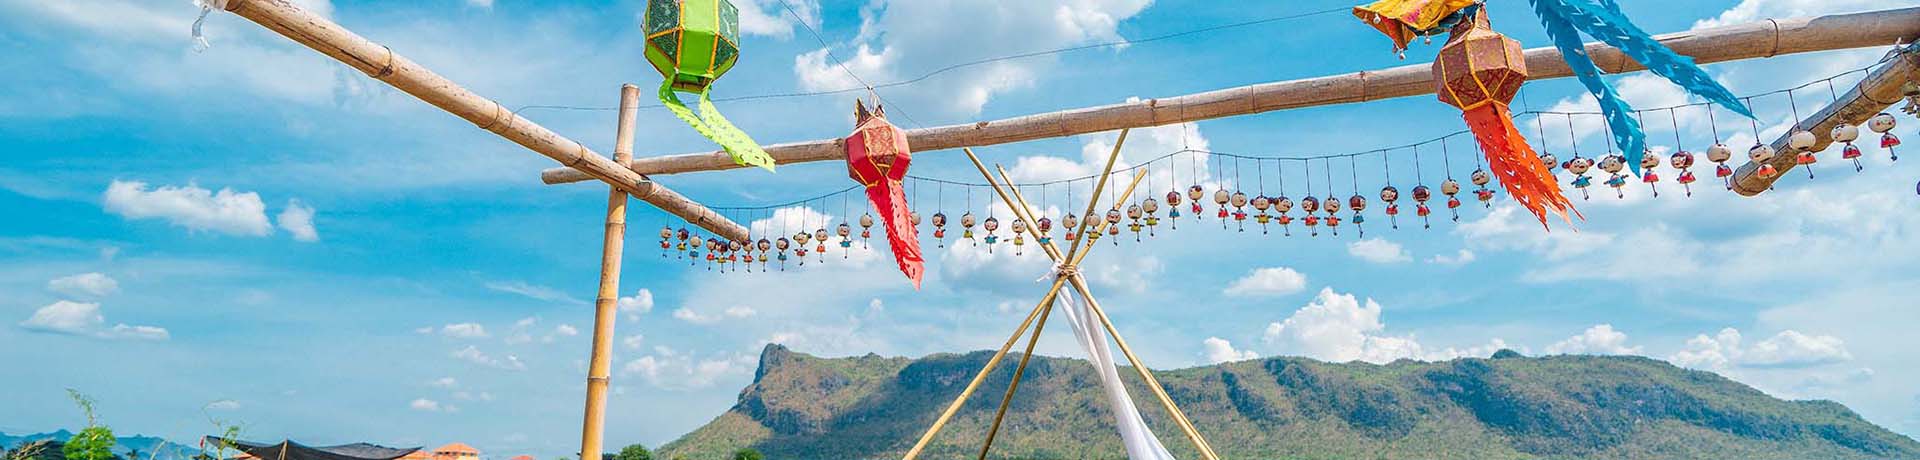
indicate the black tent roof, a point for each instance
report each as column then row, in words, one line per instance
column 289, row 450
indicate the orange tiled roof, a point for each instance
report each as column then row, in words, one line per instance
column 457, row 448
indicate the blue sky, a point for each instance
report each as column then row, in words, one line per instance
column 258, row 233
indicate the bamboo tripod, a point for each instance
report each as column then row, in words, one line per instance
column 1066, row 274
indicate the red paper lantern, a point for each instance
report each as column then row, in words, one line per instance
column 877, row 158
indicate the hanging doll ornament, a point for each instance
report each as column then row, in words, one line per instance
column 820, row 240
column 1802, row 141
column 1883, row 124
column 1719, row 154
column 692, row 43
column 1845, row 134
column 1239, row 201
column 846, row 239
column 764, row 245
column 1282, row 206
column 666, row 241
column 1391, row 196
column 1194, row 195
column 1043, row 234
column 681, row 247
column 1760, row 154
column 1150, row 206
column 1220, row 199
column 1071, row 224
column 966, row 227
column 782, row 245
column 1615, row 166
column 877, row 158
column 1649, row 163
column 1133, row 221
column 991, row 225
column 1549, row 162
column 1579, row 166
column 1311, row 206
column 1358, row 204
column 940, row 228
column 1451, row 188
column 800, row 246
column 694, row 245
column 1113, row 225
column 866, row 231
column 1683, row 161
column 1260, row 205
column 1420, row 196
column 1480, row 179
column 1173, row 209
column 1332, row 206
column 1019, row 237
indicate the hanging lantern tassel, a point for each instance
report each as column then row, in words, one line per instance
column 1480, row 71
column 877, row 157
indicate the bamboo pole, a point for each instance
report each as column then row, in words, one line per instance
column 1879, row 90
column 941, row 422
column 1180, row 418
column 605, row 306
column 1766, row 38
column 381, row 63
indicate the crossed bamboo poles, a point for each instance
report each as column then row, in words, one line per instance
column 1067, row 274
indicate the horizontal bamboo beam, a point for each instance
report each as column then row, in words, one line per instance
column 1772, row 37
column 381, row 63
column 1879, row 90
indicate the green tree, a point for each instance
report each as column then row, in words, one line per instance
column 634, row 452
column 95, row 442
column 747, row 453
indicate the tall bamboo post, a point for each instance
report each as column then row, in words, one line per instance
column 606, row 307
column 383, row 64
column 1764, row 38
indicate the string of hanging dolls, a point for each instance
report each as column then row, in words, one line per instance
column 797, row 233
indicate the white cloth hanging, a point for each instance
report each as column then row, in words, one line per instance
column 1139, row 440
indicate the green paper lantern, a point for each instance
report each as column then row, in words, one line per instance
column 692, row 43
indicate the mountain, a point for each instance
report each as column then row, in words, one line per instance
column 149, row 447
column 801, row 407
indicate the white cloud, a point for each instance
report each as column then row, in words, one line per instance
column 1787, row 349
column 1759, row 10
column 424, row 405
column 734, row 312
column 1462, row 258
column 297, row 220
column 1600, row 339
column 481, row 4
column 565, row 330
column 633, row 342
column 535, row 292
column 1379, row 251
column 224, row 404
column 464, row 331
column 85, row 319
column 86, row 285
column 674, row 371
column 190, row 206
column 1219, row 350
column 445, row 382
column 473, row 354
column 1271, row 281
column 639, row 304
column 1338, row 327
column 66, row 317
column 914, row 36
column 771, row 18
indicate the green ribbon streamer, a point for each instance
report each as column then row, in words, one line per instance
column 713, row 126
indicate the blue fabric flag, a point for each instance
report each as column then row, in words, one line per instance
column 1605, row 22
column 1554, row 17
